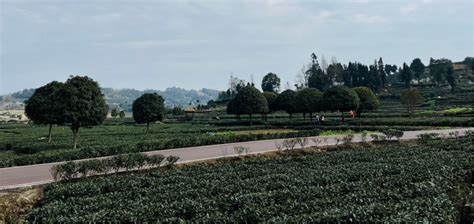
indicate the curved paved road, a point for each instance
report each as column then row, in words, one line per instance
column 22, row 176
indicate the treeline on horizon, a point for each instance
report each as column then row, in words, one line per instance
column 376, row 76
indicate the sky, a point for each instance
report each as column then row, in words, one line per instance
column 199, row 44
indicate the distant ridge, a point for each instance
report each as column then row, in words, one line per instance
column 123, row 98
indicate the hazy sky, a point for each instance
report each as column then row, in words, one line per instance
column 196, row 44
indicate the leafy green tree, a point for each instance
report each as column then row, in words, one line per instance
column 122, row 114
column 148, row 108
column 381, row 73
column 316, row 77
column 271, row 83
column 368, row 100
column 309, row 101
column 249, row 101
column 43, row 106
column 233, row 109
column 418, row 69
column 271, row 98
column 340, row 98
column 114, row 113
column 83, row 104
column 451, row 78
column 439, row 69
column 405, row 75
column 410, row 98
column 469, row 62
column 286, row 101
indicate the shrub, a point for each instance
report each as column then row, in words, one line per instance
column 348, row 138
column 390, row 133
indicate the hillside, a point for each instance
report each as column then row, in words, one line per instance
column 123, row 98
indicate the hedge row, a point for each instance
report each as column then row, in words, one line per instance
column 130, row 161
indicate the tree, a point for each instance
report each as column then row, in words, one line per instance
column 271, row 98
column 114, row 113
column 148, row 108
column 43, row 106
column 309, row 101
column 469, row 62
column 83, row 104
column 410, row 98
column 405, row 75
column 286, row 101
column 368, row 100
column 418, row 69
column 340, row 98
column 271, row 83
column 316, row 77
column 381, row 73
column 439, row 69
column 450, row 77
column 233, row 109
column 249, row 101
column 122, row 114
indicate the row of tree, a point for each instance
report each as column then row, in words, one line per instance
column 77, row 103
column 376, row 76
column 250, row 100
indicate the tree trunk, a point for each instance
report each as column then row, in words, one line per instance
column 147, row 126
column 74, row 138
column 342, row 117
column 304, row 116
column 311, row 118
column 250, row 115
column 49, row 133
column 290, row 117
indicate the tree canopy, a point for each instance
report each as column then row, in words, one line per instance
column 271, row 98
column 249, row 101
column 43, row 106
column 405, row 75
column 83, row 104
column 286, row 101
column 309, row 101
column 271, row 83
column 368, row 100
column 148, row 108
column 418, row 69
column 340, row 98
column 410, row 98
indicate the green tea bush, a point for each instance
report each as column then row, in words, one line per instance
column 397, row 182
column 84, row 168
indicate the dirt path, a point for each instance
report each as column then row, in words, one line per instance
column 21, row 176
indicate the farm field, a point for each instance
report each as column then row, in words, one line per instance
column 25, row 144
column 407, row 181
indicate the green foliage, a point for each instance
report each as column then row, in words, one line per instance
column 309, row 100
column 248, row 101
column 271, row 83
column 405, row 75
column 286, row 101
column 114, row 113
column 148, row 108
column 122, row 114
column 42, row 106
column 418, row 69
column 390, row 133
column 368, row 100
column 410, row 98
column 439, row 69
column 340, row 98
column 271, row 99
column 71, row 169
column 386, row 183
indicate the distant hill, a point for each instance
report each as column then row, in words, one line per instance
column 123, row 98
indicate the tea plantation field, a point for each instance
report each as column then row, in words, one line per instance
column 25, row 144
column 384, row 182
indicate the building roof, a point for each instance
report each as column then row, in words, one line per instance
column 189, row 109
